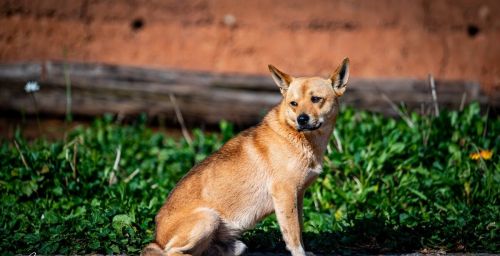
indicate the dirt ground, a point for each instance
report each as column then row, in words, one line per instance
column 401, row 254
column 452, row 39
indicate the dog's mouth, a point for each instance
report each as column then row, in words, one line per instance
column 308, row 127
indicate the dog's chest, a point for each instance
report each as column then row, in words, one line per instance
column 312, row 173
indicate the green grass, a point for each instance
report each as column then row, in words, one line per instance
column 392, row 188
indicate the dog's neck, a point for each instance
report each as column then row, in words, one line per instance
column 314, row 142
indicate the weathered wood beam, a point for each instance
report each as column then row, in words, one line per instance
column 202, row 97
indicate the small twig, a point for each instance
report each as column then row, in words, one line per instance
column 434, row 94
column 117, row 159
column 21, row 154
column 116, row 165
column 329, row 149
column 37, row 111
column 68, row 158
column 400, row 113
column 72, row 160
column 112, row 178
column 486, row 121
column 132, row 175
column 338, row 143
column 119, row 117
column 178, row 113
column 462, row 102
column 425, row 135
column 75, row 151
column 67, row 81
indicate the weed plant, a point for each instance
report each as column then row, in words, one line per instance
column 386, row 187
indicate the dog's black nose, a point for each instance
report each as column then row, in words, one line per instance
column 302, row 119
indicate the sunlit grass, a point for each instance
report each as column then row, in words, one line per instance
column 393, row 187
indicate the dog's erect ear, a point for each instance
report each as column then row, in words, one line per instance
column 340, row 77
column 281, row 79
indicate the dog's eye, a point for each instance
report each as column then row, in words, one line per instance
column 294, row 103
column 316, row 99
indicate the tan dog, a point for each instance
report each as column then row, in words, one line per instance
column 264, row 169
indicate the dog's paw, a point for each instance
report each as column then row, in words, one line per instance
column 152, row 249
column 310, row 254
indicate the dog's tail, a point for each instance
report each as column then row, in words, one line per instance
column 153, row 249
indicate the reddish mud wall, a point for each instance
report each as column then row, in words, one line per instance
column 452, row 39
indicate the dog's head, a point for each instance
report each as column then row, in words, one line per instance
column 309, row 102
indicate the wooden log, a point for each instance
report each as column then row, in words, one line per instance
column 202, row 97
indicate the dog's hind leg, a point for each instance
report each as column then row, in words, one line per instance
column 194, row 234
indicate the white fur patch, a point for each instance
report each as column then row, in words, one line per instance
column 313, row 173
column 317, row 169
column 239, row 248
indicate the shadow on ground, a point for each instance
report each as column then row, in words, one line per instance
column 364, row 237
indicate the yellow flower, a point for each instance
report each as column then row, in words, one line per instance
column 338, row 214
column 484, row 154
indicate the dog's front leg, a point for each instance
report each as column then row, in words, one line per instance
column 300, row 208
column 285, row 199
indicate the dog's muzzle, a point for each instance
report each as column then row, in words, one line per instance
column 308, row 127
